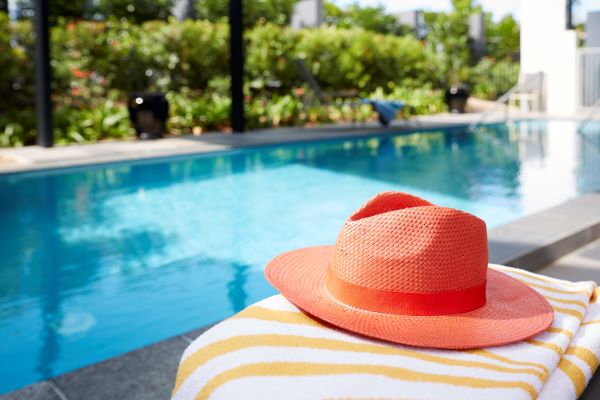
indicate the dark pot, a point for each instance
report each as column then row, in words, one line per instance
column 456, row 98
column 149, row 113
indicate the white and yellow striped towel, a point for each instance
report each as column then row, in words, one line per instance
column 271, row 350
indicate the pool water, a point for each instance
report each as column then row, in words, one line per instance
column 101, row 260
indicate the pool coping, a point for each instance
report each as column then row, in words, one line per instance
column 35, row 158
column 148, row 373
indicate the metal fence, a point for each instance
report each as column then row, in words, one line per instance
column 588, row 68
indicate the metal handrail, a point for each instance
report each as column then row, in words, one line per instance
column 504, row 98
column 590, row 116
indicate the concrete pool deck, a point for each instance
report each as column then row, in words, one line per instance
column 562, row 241
column 31, row 158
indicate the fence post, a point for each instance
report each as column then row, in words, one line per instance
column 236, row 65
column 43, row 75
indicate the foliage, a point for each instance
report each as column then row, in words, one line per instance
column 96, row 63
column 354, row 58
column 133, row 10
column 136, row 11
column 503, row 38
column 255, row 11
column 269, row 54
column 448, row 37
column 369, row 18
column 493, row 78
column 17, row 121
column 59, row 9
column 103, row 119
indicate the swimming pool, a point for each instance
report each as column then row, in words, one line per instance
column 101, row 260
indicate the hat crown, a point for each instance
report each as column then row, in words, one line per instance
column 402, row 243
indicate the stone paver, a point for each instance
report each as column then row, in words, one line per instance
column 536, row 240
column 37, row 391
column 582, row 265
column 146, row 374
column 32, row 158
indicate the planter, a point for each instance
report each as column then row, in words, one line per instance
column 149, row 113
column 456, row 98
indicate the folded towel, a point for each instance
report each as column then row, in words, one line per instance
column 580, row 361
column 272, row 350
column 387, row 109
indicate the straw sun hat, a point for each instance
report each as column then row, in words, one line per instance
column 407, row 271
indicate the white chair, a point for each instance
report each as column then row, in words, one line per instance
column 529, row 94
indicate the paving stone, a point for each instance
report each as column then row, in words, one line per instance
column 592, row 252
column 193, row 335
column 145, row 374
column 37, row 391
column 537, row 240
column 30, row 158
column 581, row 265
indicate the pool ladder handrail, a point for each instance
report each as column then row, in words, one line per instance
column 590, row 116
column 505, row 98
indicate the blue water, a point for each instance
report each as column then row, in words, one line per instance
column 102, row 260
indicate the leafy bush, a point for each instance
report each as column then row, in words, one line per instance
column 255, row 11
column 355, row 58
column 491, row 79
column 374, row 19
column 96, row 63
column 136, row 11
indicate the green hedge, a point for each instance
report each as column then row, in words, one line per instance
column 95, row 65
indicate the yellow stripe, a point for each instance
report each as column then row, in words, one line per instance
column 585, row 355
column 299, row 318
column 592, row 322
column 205, row 354
column 555, row 290
column 533, row 276
column 565, row 332
column 575, row 313
column 311, row 369
column 551, row 346
column 565, row 301
column 506, row 360
column 287, row 317
column 575, row 374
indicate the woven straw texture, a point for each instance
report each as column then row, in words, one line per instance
column 402, row 243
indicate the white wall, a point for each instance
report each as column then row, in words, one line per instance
column 592, row 29
column 547, row 46
column 307, row 14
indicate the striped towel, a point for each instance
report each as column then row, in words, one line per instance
column 271, row 350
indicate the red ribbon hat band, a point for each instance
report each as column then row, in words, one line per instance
column 391, row 302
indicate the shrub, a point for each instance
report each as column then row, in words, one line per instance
column 136, row 11
column 491, row 79
column 96, row 63
column 355, row 58
column 255, row 11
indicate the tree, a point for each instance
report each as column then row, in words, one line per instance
column 68, row 9
column 503, row 38
column 369, row 18
column 136, row 11
column 255, row 11
column 448, row 37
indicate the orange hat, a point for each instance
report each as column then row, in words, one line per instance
column 407, row 271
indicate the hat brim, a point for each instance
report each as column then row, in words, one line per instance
column 513, row 311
